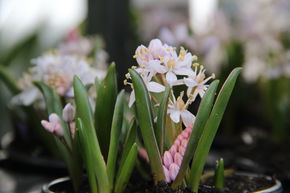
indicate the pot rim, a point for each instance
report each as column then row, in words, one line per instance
column 45, row 188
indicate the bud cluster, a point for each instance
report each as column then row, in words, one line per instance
column 172, row 158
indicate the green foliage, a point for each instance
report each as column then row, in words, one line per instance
column 105, row 102
column 210, row 129
column 145, row 119
column 219, row 176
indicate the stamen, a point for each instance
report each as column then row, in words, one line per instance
column 134, row 67
column 195, row 64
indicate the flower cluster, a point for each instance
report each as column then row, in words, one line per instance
column 172, row 158
column 57, row 69
column 160, row 65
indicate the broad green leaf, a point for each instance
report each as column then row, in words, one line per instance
column 126, row 170
column 87, row 156
column 219, row 175
column 129, row 141
column 161, row 119
column 210, row 129
column 105, row 103
column 144, row 115
column 9, row 82
column 115, row 137
column 200, row 121
column 84, row 112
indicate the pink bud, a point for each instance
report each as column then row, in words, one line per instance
column 47, row 126
column 58, row 130
column 53, row 118
column 178, row 159
column 185, row 134
column 181, row 150
column 177, row 142
column 143, row 153
column 166, row 173
column 167, row 159
column 68, row 113
column 184, row 143
column 180, row 137
column 72, row 127
column 188, row 129
column 173, row 171
column 173, row 149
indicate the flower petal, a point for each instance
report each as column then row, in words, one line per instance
column 187, row 118
column 155, row 87
column 175, row 116
column 171, row 77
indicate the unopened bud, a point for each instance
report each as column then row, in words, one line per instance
column 178, row 159
column 167, row 159
column 47, row 126
column 173, row 150
column 58, row 130
column 173, row 171
column 53, row 118
column 68, row 113
column 166, row 173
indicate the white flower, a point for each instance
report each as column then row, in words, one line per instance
column 151, row 86
column 196, row 83
column 57, row 71
column 177, row 109
column 177, row 65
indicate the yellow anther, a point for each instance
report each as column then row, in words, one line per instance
column 135, row 56
column 201, row 67
column 132, row 86
column 195, row 64
column 133, row 67
column 194, row 58
column 213, row 76
column 180, row 102
column 170, row 64
column 182, row 51
column 127, row 76
column 161, row 58
column 142, row 66
column 125, row 82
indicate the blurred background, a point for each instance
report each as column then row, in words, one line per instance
column 223, row 33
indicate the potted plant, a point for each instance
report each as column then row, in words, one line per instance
column 169, row 148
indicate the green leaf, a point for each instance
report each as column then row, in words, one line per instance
column 210, row 129
column 105, row 103
column 115, row 137
column 200, row 121
column 219, row 178
column 9, row 81
column 161, row 119
column 84, row 112
column 129, row 141
column 86, row 154
column 126, row 170
column 144, row 115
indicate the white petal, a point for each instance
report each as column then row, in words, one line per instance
column 175, row 116
column 187, row 118
column 132, row 98
column 171, row 77
column 190, row 82
column 183, row 71
column 155, row 87
column 27, row 97
column 155, row 65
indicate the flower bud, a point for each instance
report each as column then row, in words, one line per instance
column 68, row 113
column 177, row 142
column 166, row 173
column 173, row 171
column 53, row 118
column 184, row 143
column 58, row 130
column 173, row 149
column 143, row 153
column 72, row 127
column 181, row 150
column 178, row 159
column 47, row 126
column 185, row 134
column 167, row 159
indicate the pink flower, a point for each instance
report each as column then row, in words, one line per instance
column 53, row 125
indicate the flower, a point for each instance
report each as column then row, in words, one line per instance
column 57, row 71
column 172, row 158
column 177, row 108
column 151, row 86
column 196, row 82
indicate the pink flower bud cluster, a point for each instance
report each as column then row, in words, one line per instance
column 53, row 125
column 172, row 158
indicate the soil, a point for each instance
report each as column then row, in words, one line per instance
column 261, row 156
column 239, row 184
